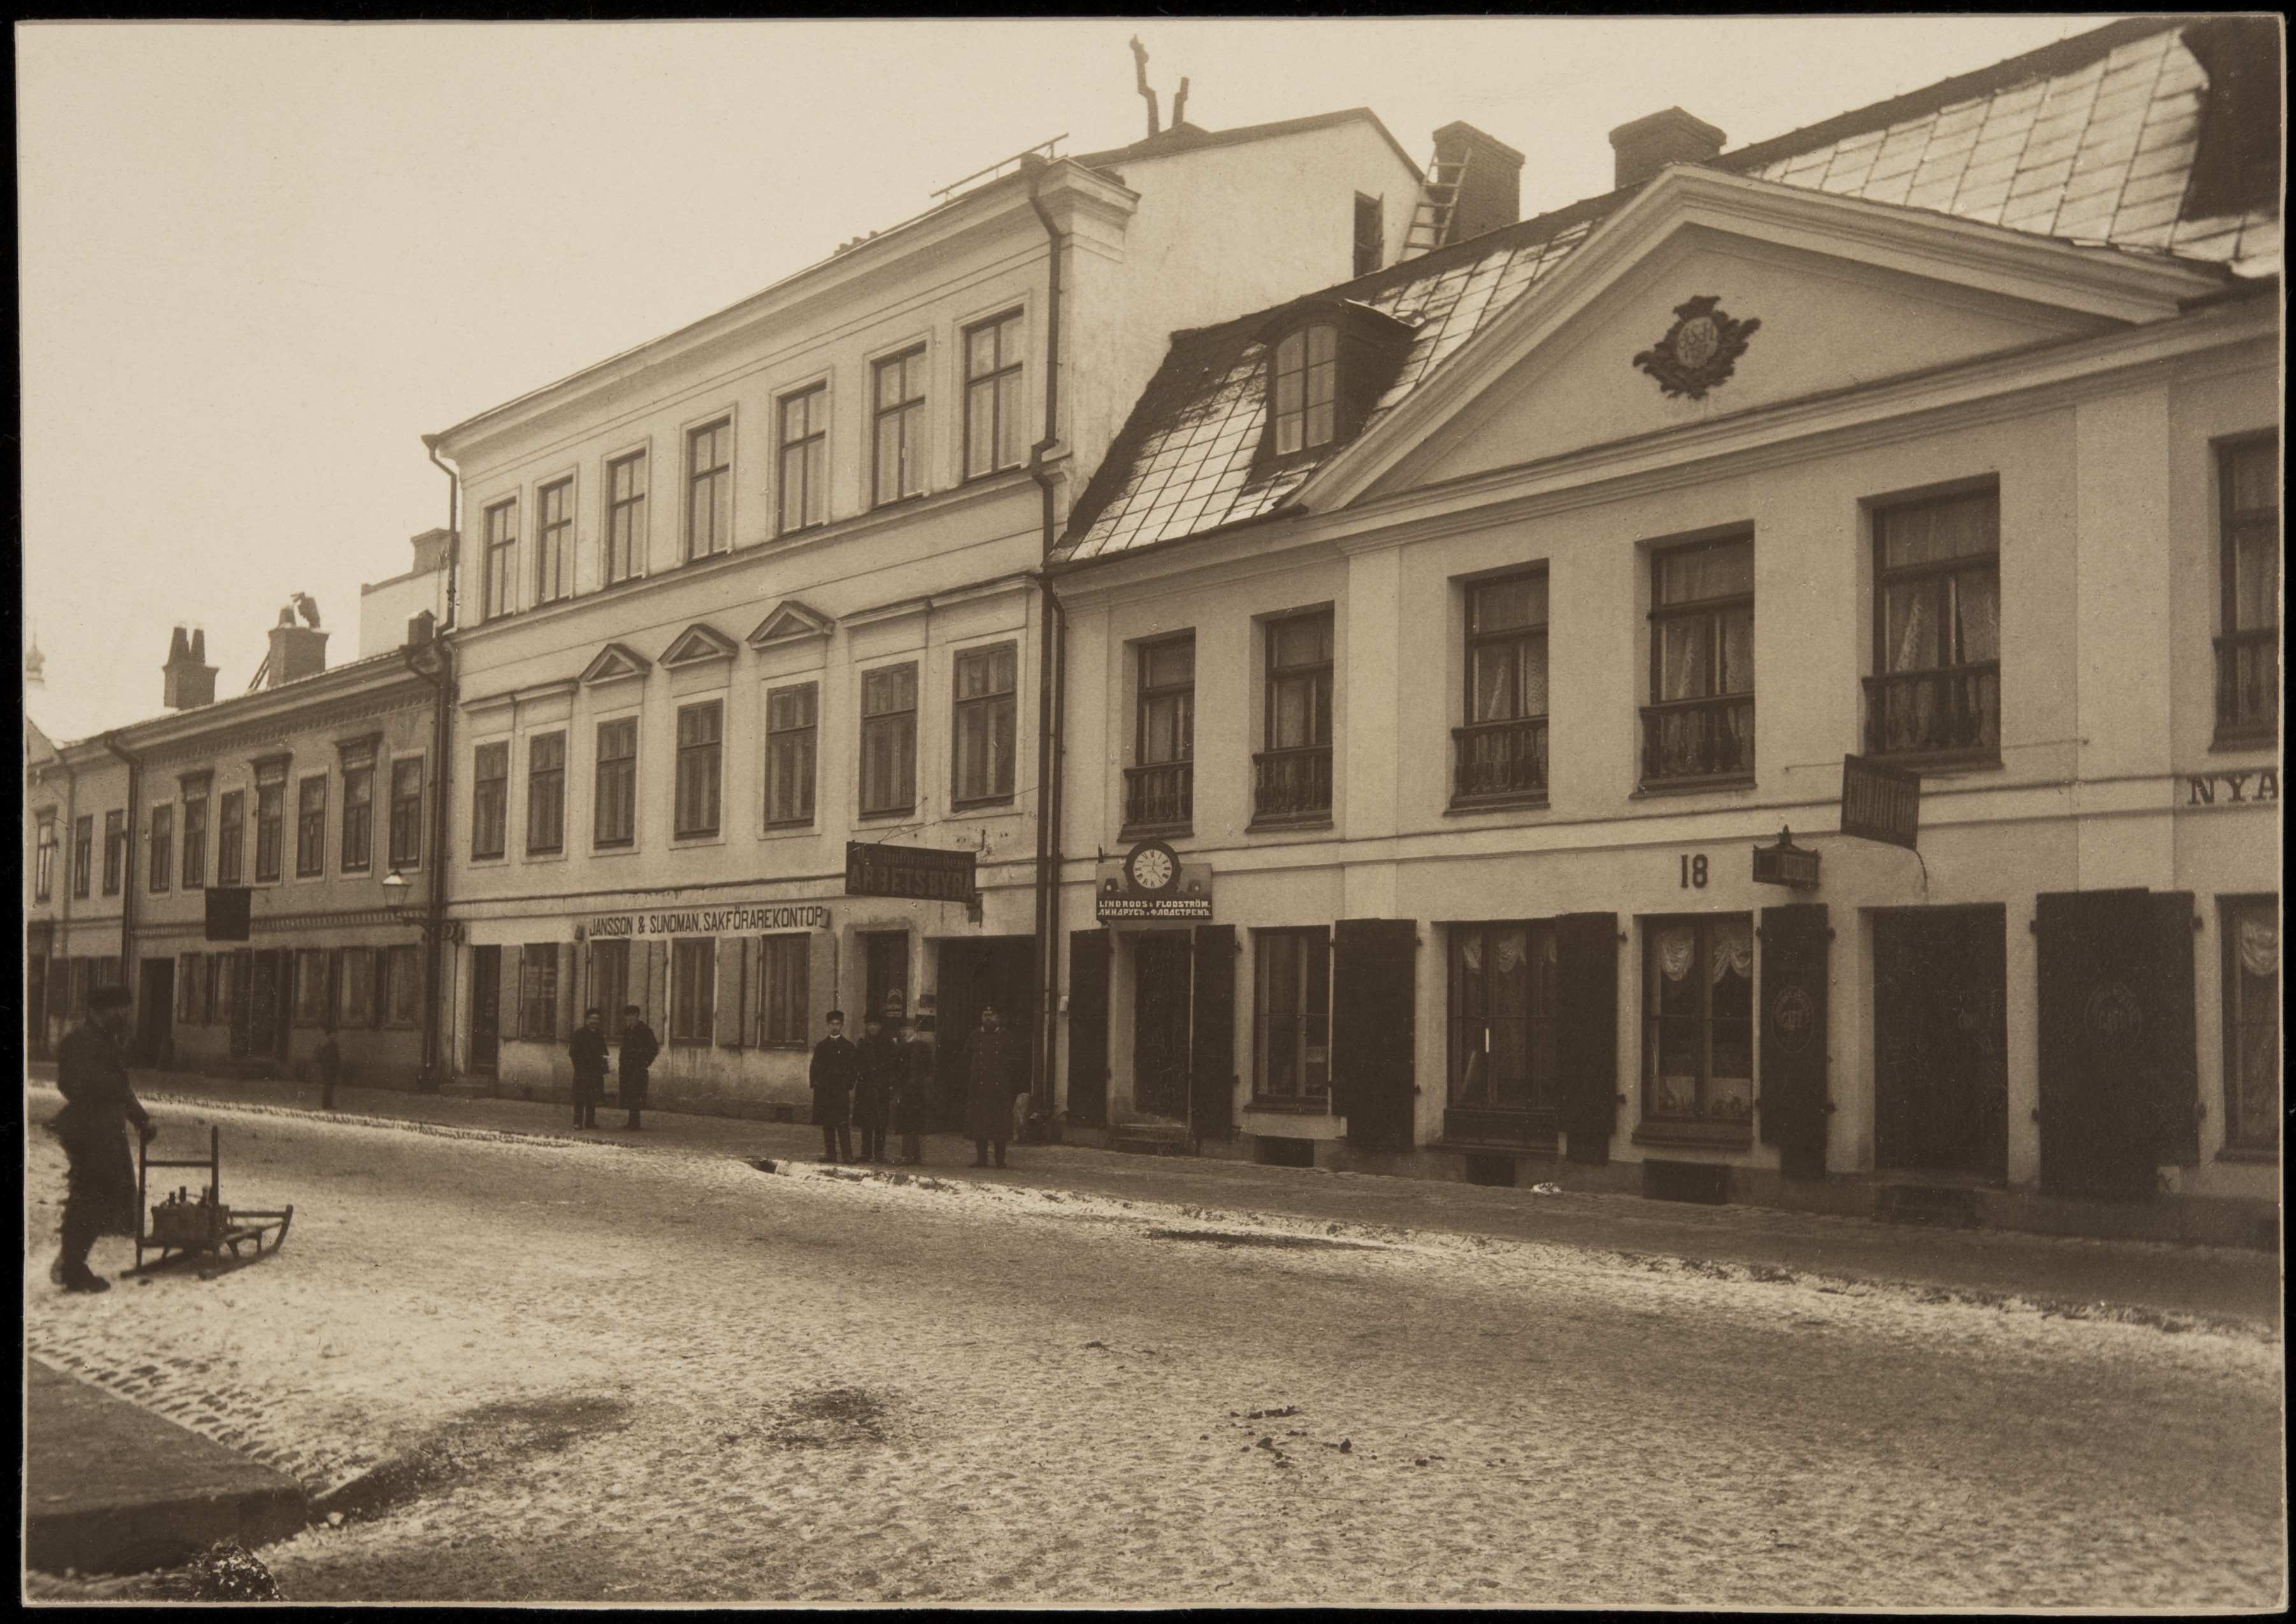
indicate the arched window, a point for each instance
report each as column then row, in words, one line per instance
column 1306, row 388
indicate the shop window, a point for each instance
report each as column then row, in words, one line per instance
column 2248, row 652
column 805, row 458
column 406, row 812
column 610, row 983
column 889, row 741
column 1291, row 1015
column 985, row 681
column 791, row 731
column 43, row 859
column 489, row 799
column 1698, row 1038
column 501, row 584
column 270, row 820
column 898, row 427
column 537, row 992
column 1160, row 788
column 785, row 970
column 699, row 730
column 313, row 987
column 995, row 434
column 162, row 848
column 1936, row 691
column 195, row 837
column 1502, row 1018
column 546, row 793
column 616, row 815
column 1699, row 726
column 115, row 851
column 83, row 854
column 359, row 819
column 692, row 989
column 626, row 517
column 1292, row 777
column 230, row 838
column 554, row 542
column 403, row 985
column 709, row 489
column 2251, row 1021
column 311, row 826
column 1502, row 749
column 355, row 1004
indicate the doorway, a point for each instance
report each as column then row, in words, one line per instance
column 1161, row 964
column 1940, row 1033
column 885, row 961
column 270, row 1005
column 976, row 972
column 485, row 1008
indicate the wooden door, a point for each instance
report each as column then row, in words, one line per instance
column 1586, row 1034
column 485, row 1008
column 1794, row 1106
column 886, row 989
column 1374, row 965
column 1089, row 957
column 1161, row 997
column 1940, row 1033
column 1212, row 1089
column 2097, row 966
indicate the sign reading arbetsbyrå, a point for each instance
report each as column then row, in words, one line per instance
column 1881, row 803
column 737, row 919
column 920, row 873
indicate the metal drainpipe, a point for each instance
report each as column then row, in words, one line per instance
column 442, row 690
column 128, row 978
column 1051, row 684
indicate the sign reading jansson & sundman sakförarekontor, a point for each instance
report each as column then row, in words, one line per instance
column 918, row 873
column 718, row 919
column 1881, row 803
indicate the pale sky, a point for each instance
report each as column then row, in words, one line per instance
column 257, row 262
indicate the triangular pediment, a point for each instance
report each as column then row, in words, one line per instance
column 791, row 621
column 698, row 643
column 614, row 663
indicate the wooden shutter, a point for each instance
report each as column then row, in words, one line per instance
column 657, row 989
column 1211, row 1059
column 1088, row 959
column 1794, row 1107
column 2173, row 1021
column 569, row 1015
column 1587, row 1033
column 2098, row 989
column 1374, row 1002
column 511, row 1017
column 731, row 982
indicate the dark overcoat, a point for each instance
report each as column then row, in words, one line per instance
column 913, row 1097
column 878, row 1066
column 99, row 1103
column 835, row 1063
column 588, row 1052
column 992, row 1077
column 639, row 1046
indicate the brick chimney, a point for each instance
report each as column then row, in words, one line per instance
column 1642, row 149
column 190, row 680
column 297, row 651
column 1490, row 194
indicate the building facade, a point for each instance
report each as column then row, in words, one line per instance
column 1551, row 577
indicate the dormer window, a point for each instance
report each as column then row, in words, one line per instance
column 1328, row 363
column 1306, row 388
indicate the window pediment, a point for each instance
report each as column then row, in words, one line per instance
column 791, row 621
column 615, row 662
column 697, row 643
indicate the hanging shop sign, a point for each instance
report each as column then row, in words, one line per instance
column 1786, row 864
column 918, row 873
column 738, row 919
column 230, row 909
column 1151, row 884
column 1881, row 803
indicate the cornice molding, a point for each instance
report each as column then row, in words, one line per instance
column 322, row 720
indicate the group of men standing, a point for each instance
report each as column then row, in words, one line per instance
column 634, row 1065
column 886, row 1081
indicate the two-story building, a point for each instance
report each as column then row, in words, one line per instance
column 1543, row 580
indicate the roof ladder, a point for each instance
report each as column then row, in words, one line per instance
column 1438, row 206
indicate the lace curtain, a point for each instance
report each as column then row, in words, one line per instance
column 1734, row 948
column 2260, row 947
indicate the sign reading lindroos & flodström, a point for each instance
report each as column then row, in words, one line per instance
column 736, row 920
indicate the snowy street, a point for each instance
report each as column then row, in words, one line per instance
column 544, row 1372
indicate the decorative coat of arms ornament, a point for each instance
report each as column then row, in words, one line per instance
column 1699, row 350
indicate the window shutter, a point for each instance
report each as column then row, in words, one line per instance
column 512, row 1016
column 187, row 986
column 1088, row 956
column 1587, row 1033
column 753, row 989
column 2177, row 1072
column 821, row 987
column 2098, row 1017
column 658, row 987
column 378, row 986
column 1794, row 1107
column 568, row 1015
column 733, row 963
column 1374, row 964
column 1211, row 1090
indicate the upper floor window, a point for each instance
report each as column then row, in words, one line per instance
column 358, row 811
column 270, row 820
column 43, row 859
column 985, row 684
column 554, row 542
column 311, row 826
column 1936, row 689
column 888, row 740
column 163, row 847
column 1370, row 234
column 805, row 458
column 195, row 835
column 1700, row 722
column 710, row 489
column 616, row 822
column 230, row 838
column 2247, row 650
column 406, row 812
column 995, row 435
column 1160, row 787
column 1698, row 1000
column 115, row 851
column 626, row 517
column 1502, row 748
column 898, row 431
column 1292, row 777
column 700, row 728
column 1306, row 388
column 501, row 584
column 489, row 799
column 790, row 730
column 83, row 854
column 546, row 793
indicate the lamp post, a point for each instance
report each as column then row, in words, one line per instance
column 397, row 891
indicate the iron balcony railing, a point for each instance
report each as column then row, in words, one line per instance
column 2248, row 683
column 1291, row 784
column 1500, row 758
column 1954, row 712
column 1687, row 740
column 1160, row 794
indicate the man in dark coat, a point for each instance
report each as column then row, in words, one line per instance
column 330, row 1061
column 99, row 1103
column 588, row 1052
column 913, row 1093
column 639, row 1046
column 991, row 1074
column 877, row 1075
column 835, row 1064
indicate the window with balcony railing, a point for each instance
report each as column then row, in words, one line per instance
column 1160, row 788
column 2248, row 649
column 1699, row 727
column 1292, row 778
column 1936, row 689
column 1500, row 754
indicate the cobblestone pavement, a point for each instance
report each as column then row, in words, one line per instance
column 526, row 1369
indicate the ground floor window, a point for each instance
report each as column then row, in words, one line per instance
column 1291, row 1014
column 1502, row 1011
column 1698, row 1010
column 783, row 991
column 692, row 989
column 403, row 974
column 537, row 992
column 610, row 984
column 313, row 992
column 354, row 1003
column 2252, row 1013
column 230, row 986
column 192, row 989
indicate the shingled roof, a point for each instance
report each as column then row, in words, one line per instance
column 2109, row 138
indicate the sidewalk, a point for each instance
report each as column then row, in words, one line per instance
column 2210, row 1282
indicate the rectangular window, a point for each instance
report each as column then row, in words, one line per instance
column 626, row 517
column 537, row 993
column 1502, row 749
column 616, row 810
column 1306, row 388
column 699, row 730
column 1291, row 1014
column 1160, row 788
column 195, row 837
column 1936, row 689
column 83, row 854
column 270, row 820
column 501, row 560
column 805, row 458
column 1698, row 725
column 994, row 434
column 709, row 489
column 1370, row 234
column 609, row 982
column 358, row 816
column 888, row 740
column 1292, row 777
column 115, row 851
column 2251, row 1018
column 1501, row 1013
column 230, row 838
column 985, row 710
column 489, row 799
column 311, row 826
column 355, row 996
column 406, row 812
column 314, row 989
column 899, row 427
column 403, row 976
column 692, row 988
column 554, row 550
column 2248, row 652
column 782, row 1008
column 163, row 847
column 1698, row 1034
column 43, row 861
column 546, row 793
column 790, row 735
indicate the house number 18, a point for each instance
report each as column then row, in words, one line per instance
column 1693, row 871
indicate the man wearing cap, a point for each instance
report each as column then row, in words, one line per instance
column 993, row 1077
column 877, row 1073
column 99, row 1103
column 634, row 1063
column 835, row 1064
column 912, row 1092
column 587, row 1051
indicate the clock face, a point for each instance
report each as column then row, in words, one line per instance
column 1152, row 868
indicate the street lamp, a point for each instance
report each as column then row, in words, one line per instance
column 397, row 888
